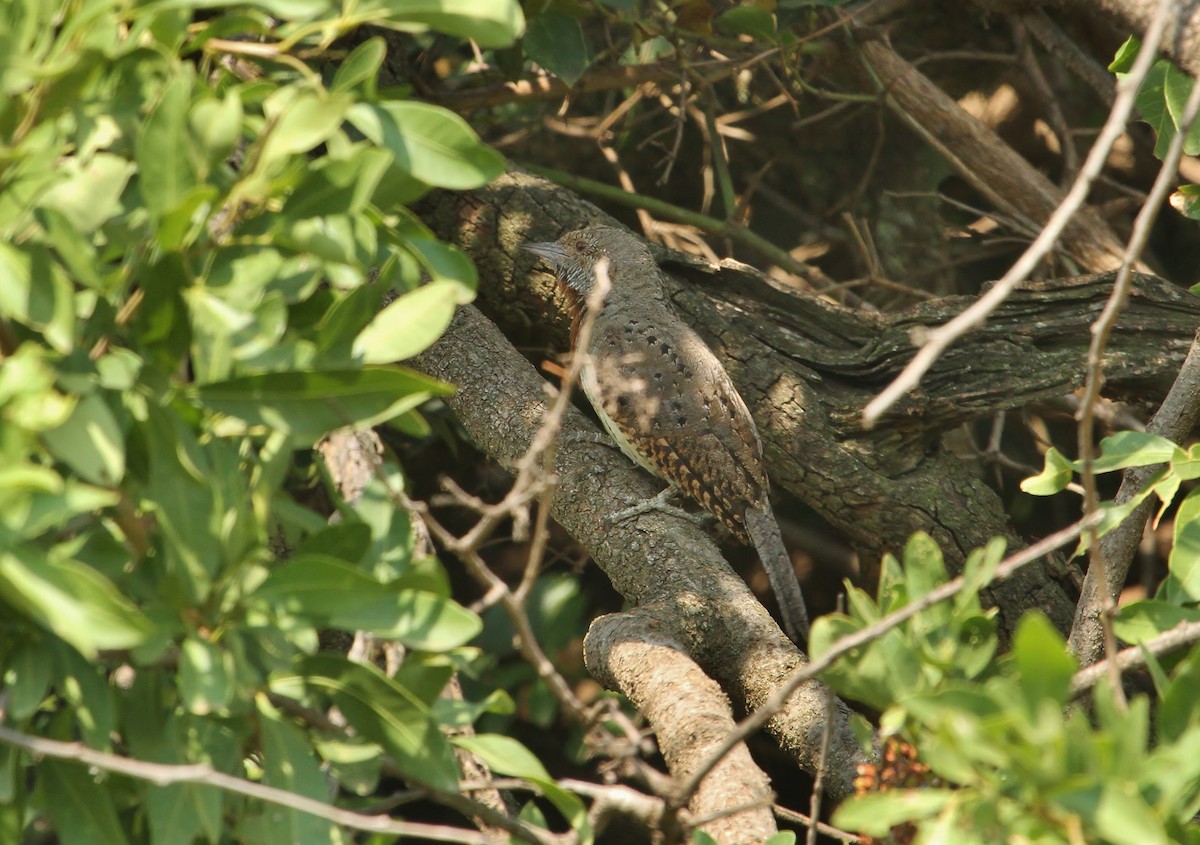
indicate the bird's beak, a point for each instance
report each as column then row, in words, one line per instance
column 550, row 252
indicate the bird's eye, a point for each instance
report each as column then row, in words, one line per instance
column 582, row 247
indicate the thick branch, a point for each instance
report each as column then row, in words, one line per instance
column 690, row 716
column 654, row 560
column 807, row 367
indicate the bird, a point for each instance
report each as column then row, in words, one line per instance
column 667, row 401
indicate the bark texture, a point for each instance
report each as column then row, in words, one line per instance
column 806, row 367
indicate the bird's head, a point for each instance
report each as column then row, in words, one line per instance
column 575, row 255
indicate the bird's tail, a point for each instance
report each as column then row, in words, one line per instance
column 764, row 533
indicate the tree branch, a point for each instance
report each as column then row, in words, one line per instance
column 656, row 560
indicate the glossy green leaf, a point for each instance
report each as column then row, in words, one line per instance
column 877, row 813
column 34, row 291
column 1053, row 478
column 290, row 763
column 1044, row 665
column 90, row 442
column 1134, row 448
column 165, row 169
column 432, row 144
column 384, row 712
column 1183, row 565
column 1141, row 621
column 205, row 676
column 555, row 41
column 338, row 595
column 506, row 756
column 361, row 66
column 70, row 599
column 81, row 807
column 410, row 324
column 490, row 23
column 308, row 405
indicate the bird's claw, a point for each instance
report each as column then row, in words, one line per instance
column 660, row 503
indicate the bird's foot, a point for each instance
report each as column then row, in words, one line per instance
column 594, row 437
column 660, row 503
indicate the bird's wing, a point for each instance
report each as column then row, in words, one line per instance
column 673, row 402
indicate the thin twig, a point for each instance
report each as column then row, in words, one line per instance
column 164, row 774
column 939, row 339
column 807, row 672
column 1183, row 634
column 790, row 815
column 818, row 793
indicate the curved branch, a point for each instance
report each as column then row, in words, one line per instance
column 654, row 560
column 690, row 716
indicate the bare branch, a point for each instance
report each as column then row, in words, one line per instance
column 940, row 338
column 163, row 774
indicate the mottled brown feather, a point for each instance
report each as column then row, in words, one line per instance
column 667, row 400
column 672, row 400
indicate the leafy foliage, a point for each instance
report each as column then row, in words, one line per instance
column 200, row 223
column 1161, row 101
column 1022, row 764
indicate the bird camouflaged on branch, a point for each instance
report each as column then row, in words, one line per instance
column 667, row 401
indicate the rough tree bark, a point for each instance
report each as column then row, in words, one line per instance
column 665, row 566
column 806, row 367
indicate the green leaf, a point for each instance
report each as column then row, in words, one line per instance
column 70, row 599
column 490, row 23
column 924, row 568
column 310, row 404
column 432, row 144
column 301, row 120
column 290, row 763
column 750, row 20
column 1134, row 449
column 34, row 291
column 165, row 170
column 506, row 756
column 410, row 324
column 1186, row 200
column 1126, row 55
column 1044, row 665
column 26, row 678
column 1177, row 88
column 347, row 541
column 1124, row 817
column 383, row 711
column 1183, row 564
column 877, row 813
column 216, row 124
column 1141, row 621
column 1177, row 713
column 338, row 186
column 81, row 808
column 555, row 41
column 88, row 194
column 180, row 493
column 205, row 676
column 362, row 65
column 1054, row 478
column 338, row 595
column 90, row 442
